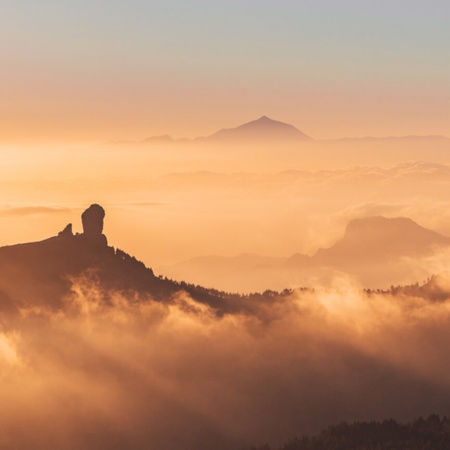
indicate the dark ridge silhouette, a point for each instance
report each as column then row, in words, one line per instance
column 420, row 434
column 41, row 273
column 435, row 288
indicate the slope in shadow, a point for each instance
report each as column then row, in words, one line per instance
column 42, row 273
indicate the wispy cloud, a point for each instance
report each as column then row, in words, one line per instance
column 32, row 210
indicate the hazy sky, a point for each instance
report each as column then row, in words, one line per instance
column 100, row 70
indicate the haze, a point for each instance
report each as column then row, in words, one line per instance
column 236, row 147
column 171, row 203
column 102, row 71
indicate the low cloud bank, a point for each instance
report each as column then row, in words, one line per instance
column 147, row 375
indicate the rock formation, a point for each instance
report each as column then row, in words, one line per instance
column 92, row 220
column 67, row 232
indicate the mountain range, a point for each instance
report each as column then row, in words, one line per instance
column 377, row 251
column 266, row 130
column 263, row 128
column 45, row 273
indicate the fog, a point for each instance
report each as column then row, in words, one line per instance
column 173, row 203
column 167, row 375
column 142, row 374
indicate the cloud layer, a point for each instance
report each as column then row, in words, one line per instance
column 142, row 374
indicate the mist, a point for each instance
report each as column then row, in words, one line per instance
column 133, row 373
column 166, row 205
column 114, row 370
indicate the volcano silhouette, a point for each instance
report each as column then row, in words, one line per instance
column 262, row 129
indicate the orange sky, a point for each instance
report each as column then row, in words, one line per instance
column 73, row 73
column 74, row 76
column 55, row 117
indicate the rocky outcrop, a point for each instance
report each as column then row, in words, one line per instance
column 67, row 232
column 92, row 220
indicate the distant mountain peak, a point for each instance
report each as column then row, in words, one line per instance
column 379, row 222
column 386, row 225
column 266, row 122
column 159, row 139
column 379, row 235
column 262, row 128
column 266, row 119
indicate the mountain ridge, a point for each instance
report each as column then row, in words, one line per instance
column 371, row 249
column 43, row 274
column 261, row 128
column 34, row 272
column 267, row 128
column 381, row 236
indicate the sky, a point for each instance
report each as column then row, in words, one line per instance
column 75, row 76
column 95, row 71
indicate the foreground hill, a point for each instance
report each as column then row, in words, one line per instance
column 42, row 273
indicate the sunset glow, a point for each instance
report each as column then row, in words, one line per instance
column 225, row 225
column 104, row 71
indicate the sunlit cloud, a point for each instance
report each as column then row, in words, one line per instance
column 176, row 372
